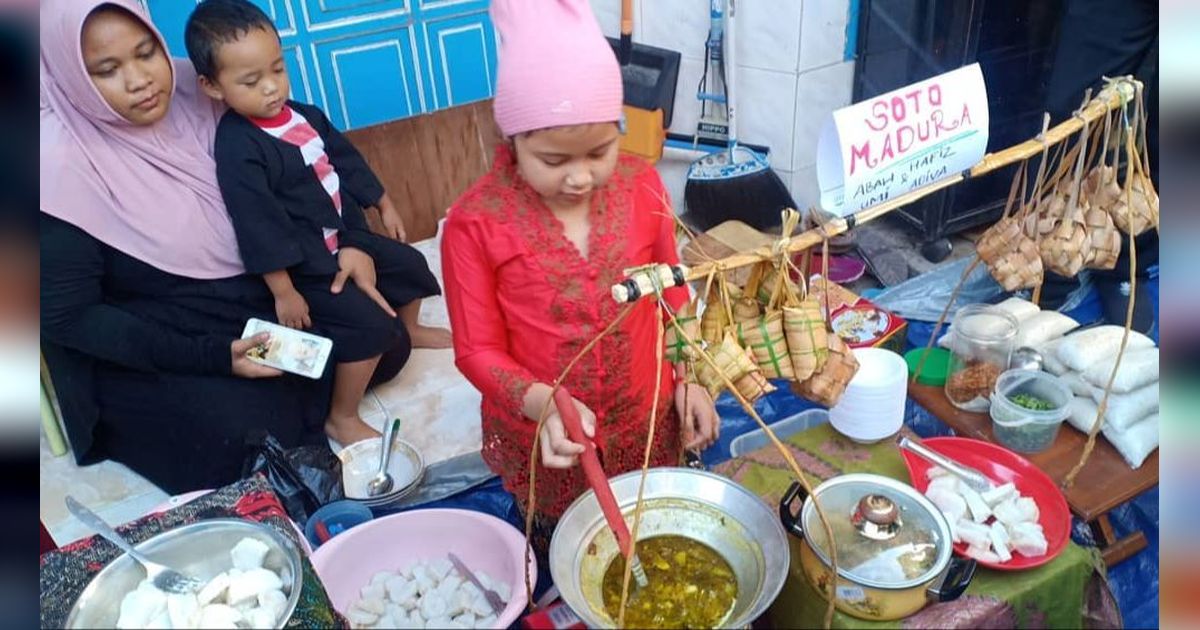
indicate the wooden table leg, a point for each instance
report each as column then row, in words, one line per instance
column 1115, row 551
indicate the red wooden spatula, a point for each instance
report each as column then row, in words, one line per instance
column 598, row 481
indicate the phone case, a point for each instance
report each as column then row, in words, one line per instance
column 289, row 350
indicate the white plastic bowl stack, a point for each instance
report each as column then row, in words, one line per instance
column 872, row 408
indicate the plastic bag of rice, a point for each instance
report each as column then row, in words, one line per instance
column 1081, row 413
column 1041, row 327
column 1138, row 369
column 1078, row 386
column 1081, row 350
column 1125, row 409
column 1136, row 442
column 1050, row 362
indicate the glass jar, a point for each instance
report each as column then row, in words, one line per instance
column 981, row 348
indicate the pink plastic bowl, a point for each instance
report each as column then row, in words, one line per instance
column 485, row 543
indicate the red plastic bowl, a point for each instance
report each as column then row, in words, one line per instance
column 1002, row 466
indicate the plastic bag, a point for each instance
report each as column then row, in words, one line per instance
column 304, row 478
column 923, row 297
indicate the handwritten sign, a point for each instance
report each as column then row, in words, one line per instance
column 888, row 145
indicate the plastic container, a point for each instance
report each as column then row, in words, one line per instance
column 983, row 344
column 751, row 441
column 338, row 517
column 1028, row 430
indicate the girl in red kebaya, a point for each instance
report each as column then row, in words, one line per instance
column 529, row 254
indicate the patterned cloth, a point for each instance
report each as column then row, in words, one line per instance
column 68, row 570
column 1068, row 592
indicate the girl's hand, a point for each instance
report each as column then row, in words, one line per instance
column 292, row 310
column 393, row 223
column 557, row 450
column 698, row 416
column 242, row 365
column 358, row 266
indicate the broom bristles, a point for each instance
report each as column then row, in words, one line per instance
column 755, row 198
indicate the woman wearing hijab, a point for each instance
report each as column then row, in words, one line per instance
column 143, row 292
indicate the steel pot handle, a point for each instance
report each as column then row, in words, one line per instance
column 955, row 581
column 791, row 520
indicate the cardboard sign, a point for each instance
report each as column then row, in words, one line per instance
column 888, row 145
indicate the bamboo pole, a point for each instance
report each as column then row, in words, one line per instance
column 1113, row 96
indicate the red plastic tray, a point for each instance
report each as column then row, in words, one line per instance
column 1002, row 466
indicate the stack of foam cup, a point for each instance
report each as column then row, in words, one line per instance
column 872, row 408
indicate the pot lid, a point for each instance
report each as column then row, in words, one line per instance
column 886, row 534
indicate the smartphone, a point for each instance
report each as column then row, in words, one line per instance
column 290, row 350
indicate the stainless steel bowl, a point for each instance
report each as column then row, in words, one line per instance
column 200, row 549
column 678, row 501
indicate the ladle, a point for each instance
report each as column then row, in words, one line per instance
column 599, row 482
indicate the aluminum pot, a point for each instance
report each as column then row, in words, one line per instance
column 200, row 549
column 894, row 546
column 677, row 501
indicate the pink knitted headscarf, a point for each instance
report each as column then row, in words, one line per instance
column 555, row 67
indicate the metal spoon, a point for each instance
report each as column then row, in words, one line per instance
column 974, row 479
column 1026, row 358
column 382, row 482
column 164, row 578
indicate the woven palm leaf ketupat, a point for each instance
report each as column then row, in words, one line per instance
column 731, row 359
column 678, row 350
column 746, row 309
column 764, row 337
column 1104, row 241
column 827, row 385
column 1101, row 191
column 753, row 384
column 1010, row 255
column 1144, row 198
column 767, row 286
column 715, row 318
column 1064, row 250
column 806, row 335
column 1144, row 205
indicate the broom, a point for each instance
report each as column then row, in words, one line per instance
column 736, row 183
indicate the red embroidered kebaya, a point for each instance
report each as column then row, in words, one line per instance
column 523, row 302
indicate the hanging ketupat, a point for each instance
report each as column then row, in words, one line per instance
column 764, row 337
column 678, row 350
column 735, row 363
column 806, row 335
column 826, row 386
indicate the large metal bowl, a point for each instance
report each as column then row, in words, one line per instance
column 200, row 549
column 678, row 501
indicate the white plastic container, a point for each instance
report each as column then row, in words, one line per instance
column 1028, row 430
column 872, row 408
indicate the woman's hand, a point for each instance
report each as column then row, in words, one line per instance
column 698, row 416
column 358, row 266
column 557, row 450
column 393, row 223
column 242, row 365
column 292, row 310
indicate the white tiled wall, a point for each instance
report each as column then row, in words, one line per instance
column 790, row 75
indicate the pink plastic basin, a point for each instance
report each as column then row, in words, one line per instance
column 485, row 543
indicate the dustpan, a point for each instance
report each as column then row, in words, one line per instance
column 648, row 76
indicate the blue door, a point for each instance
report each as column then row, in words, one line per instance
column 371, row 61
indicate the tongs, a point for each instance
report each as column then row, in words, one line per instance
column 599, row 482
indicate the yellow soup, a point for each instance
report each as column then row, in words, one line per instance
column 691, row 586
